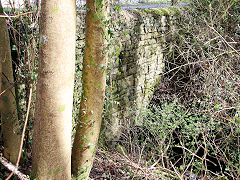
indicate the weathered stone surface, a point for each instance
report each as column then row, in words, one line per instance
column 141, row 39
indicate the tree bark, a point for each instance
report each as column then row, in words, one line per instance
column 94, row 82
column 53, row 113
column 8, row 107
column 1, row 47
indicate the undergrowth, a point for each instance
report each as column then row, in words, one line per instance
column 191, row 128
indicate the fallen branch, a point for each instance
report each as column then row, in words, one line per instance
column 13, row 168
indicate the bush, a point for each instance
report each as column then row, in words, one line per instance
column 175, row 138
column 197, row 134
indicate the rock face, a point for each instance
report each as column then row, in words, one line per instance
column 140, row 40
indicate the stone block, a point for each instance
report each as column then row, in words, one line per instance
column 144, row 37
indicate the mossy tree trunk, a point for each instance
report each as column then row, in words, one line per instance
column 54, row 100
column 8, row 108
column 94, row 82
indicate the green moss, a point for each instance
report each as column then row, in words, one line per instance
column 148, row 88
column 175, row 10
column 121, row 149
column 166, row 11
column 139, row 12
column 157, row 80
column 159, row 11
column 148, row 11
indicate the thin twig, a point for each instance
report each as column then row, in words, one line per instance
column 16, row 16
column 224, row 39
column 23, row 133
column 176, row 172
column 8, row 88
column 195, row 154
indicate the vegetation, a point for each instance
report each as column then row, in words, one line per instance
column 191, row 128
column 152, row 2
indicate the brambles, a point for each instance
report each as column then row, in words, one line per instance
column 174, row 137
column 199, row 133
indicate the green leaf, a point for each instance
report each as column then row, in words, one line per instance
column 62, row 108
column 110, row 33
column 118, row 9
column 55, row 10
column 91, row 144
column 119, row 22
column 238, row 130
column 57, row 171
column 95, row 17
column 14, row 48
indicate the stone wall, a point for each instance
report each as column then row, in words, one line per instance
column 136, row 60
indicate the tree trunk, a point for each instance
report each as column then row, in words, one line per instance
column 8, row 107
column 1, row 47
column 94, row 82
column 53, row 113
